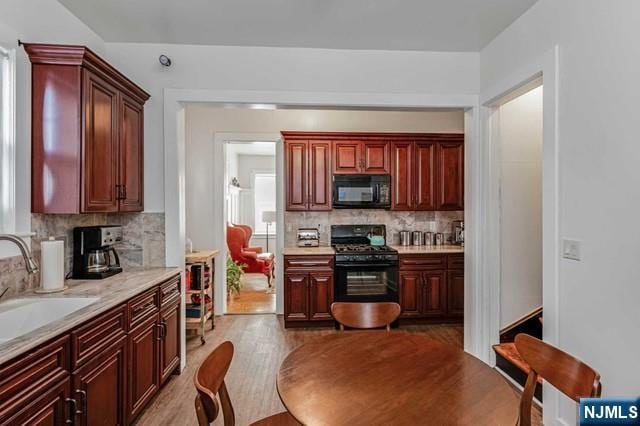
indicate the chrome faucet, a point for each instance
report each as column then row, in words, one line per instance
column 30, row 264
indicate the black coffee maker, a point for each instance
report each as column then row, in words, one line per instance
column 94, row 256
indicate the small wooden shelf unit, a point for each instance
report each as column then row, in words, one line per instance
column 202, row 258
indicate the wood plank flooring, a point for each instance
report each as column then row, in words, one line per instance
column 254, row 298
column 261, row 343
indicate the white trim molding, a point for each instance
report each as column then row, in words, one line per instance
column 545, row 68
column 7, row 141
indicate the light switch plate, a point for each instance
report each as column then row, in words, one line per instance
column 571, row 249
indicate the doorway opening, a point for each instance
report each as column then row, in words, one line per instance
column 519, row 140
column 251, row 212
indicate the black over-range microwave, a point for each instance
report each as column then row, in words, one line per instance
column 361, row 192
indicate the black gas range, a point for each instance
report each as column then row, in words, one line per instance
column 364, row 272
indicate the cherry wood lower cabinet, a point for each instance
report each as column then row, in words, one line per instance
column 431, row 287
column 102, row 372
column 308, row 290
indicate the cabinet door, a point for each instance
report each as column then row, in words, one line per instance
column 410, row 294
column 455, row 292
column 434, row 296
column 296, row 301
column 425, row 176
column 99, row 388
column 170, row 343
column 46, row 409
column 450, row 176
column 375, row 157
column 319, row 175
column 100, row 166
column 401, row 175
column 144, row 377
column 320, row 296
column 347, row 157
column 296, row 175
column 131, row 157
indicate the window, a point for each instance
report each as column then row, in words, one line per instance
column 7, row 142
column 264, row 193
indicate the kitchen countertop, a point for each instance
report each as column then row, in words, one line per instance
column 112, row 292
column 309, row 251
column 428, row 249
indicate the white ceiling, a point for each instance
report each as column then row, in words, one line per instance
column 427, row 25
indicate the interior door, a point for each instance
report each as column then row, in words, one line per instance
column 402, row 176
column 131, row 156
column 100, row 165
column 425, row 176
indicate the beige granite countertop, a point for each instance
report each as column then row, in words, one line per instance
column 308, row 251
column 428, row 249
column 112, row 292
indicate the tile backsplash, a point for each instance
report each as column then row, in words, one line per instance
column 395, row 222
column 143, row 243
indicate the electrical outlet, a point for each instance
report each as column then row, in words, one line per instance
column 571, row 249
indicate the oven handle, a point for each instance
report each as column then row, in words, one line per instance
column 366, row 265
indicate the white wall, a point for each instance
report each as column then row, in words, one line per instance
column 521, row 206
column 203, row 121
column 283, row 69
column 34, row 21
column 599, row 174
column 249, row 163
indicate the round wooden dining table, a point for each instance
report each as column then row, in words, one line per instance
column 392, row 378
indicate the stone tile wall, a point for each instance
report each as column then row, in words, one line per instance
column 143, row 243
column 395, row 222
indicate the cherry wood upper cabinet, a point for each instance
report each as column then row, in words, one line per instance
column 307, row 174
column 361, row 157
column 450, row 176
column 87, row 134
column 425, row 176
column 402, row 194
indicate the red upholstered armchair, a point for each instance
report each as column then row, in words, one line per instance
column 248, row 233
column 236, row 238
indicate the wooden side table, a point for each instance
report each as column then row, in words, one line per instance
column 202, row 258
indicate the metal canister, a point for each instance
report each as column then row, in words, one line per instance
column 428, row 238
column 418, row 238
column 439, row 239
column 405, row 238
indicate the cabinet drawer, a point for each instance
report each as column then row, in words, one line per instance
column 143, row 307
column 308, row 262
column 456, row 261
column 426, row 261
column 23, row 379
column 91, row 339
column 170, row 291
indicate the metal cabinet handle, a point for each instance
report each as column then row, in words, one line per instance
column 124, row 192
column 74, row 410
column 160, row 331
column 83, row 401
column 143, row 307
column 164, row 328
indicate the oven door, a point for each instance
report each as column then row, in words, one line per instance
column 366, row 282
column 361, row 191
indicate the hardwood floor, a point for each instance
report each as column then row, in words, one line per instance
column 261, row 343
column 254, row 298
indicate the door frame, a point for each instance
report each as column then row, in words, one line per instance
column 175, row 101
column 543, row 69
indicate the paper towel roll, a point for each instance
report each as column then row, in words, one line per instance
column 52, row 265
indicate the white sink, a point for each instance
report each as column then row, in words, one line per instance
column 21, row 316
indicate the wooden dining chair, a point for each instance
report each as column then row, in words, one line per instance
column 209, row 381
column 365, row 315
column 569, row 375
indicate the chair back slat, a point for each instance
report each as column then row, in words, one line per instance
column 365, row 315
column 569, row 375
column 209, row 382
